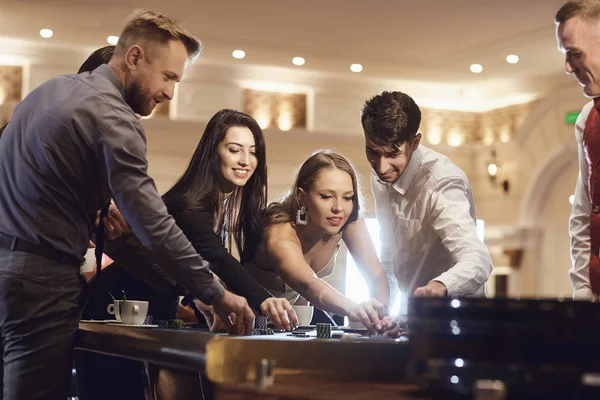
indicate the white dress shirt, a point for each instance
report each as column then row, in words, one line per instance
column 579, row 222
column 428, row 228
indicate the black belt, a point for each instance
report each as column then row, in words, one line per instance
column 43, row 250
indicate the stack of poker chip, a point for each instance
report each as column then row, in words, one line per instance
column 267, row 331
column 260, row 325
column 176, row 324
column 260, row 322
column 170, row 324
column 323, row 331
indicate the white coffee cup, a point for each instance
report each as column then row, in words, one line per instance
column 132, row 312
column 304, row 313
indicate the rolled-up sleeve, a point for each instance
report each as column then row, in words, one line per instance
column 579, row 221
column 122, row 148
column 453, row 223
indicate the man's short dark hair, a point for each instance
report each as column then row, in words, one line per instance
column 97, row 58
column 391, row 119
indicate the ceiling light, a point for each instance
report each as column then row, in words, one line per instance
column 298, row 60
column 512, row 58
column 572, row 199
column 46, row 33
column 476, row 68
column 492, row 169
column 112, row 40
column 239, row 54
column 356, row 68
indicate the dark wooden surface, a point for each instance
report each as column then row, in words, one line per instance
column 181, row 349
column 305, row 390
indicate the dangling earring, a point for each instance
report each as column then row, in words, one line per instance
column 302, row 216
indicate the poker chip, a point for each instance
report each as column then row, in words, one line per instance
column 170, row 323
column 260, row 322
column 324, row 331
column 267, row 331
column 176, row 324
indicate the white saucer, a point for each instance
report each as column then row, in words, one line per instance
column 133, row 325
column 97, row 321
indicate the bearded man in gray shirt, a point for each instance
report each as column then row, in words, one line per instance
column 72, row 144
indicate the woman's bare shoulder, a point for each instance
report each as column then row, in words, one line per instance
column 283, row 231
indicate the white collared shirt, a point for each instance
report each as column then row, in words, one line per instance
column 428, row 228
column 579, row 222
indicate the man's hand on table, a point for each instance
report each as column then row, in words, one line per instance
column 391, row 326
column 432, row 289
column 212, row 320
column 242, row 322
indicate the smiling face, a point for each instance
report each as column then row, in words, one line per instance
column 329, row 201
column 579, row 40
column 389, row 164
column 237, row 152
column 154, row 74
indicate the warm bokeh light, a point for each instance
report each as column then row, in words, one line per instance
column 284, row 122
column 455, row 140
column 476, row 68
column 356, row 68
column 239, row 54
column 46, row 33
column 492, row 169
column 512, row 58
column 434, row 137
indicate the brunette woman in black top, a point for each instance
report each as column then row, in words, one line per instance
column 220, row 197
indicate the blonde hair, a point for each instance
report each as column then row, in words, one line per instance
column 586, row 9
column 147, row 29
column 285, row 211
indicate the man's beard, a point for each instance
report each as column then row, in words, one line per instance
column 137, row 101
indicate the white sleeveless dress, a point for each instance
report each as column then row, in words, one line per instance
column 272, row 281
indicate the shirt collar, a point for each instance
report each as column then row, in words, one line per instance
column 401, row 185
column 107, row 72
column 597, row 103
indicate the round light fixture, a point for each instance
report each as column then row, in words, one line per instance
column 476, row 68
column 46, row 33
column 298, row 61
column 239, row 54
column 112, row 40
column 512, row 58
column 356, row 68
column 492, row 169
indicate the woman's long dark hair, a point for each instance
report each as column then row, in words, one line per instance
column 200, row 186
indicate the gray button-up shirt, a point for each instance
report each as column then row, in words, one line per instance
column 71, row 144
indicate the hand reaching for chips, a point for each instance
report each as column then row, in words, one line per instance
column 390, row 326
